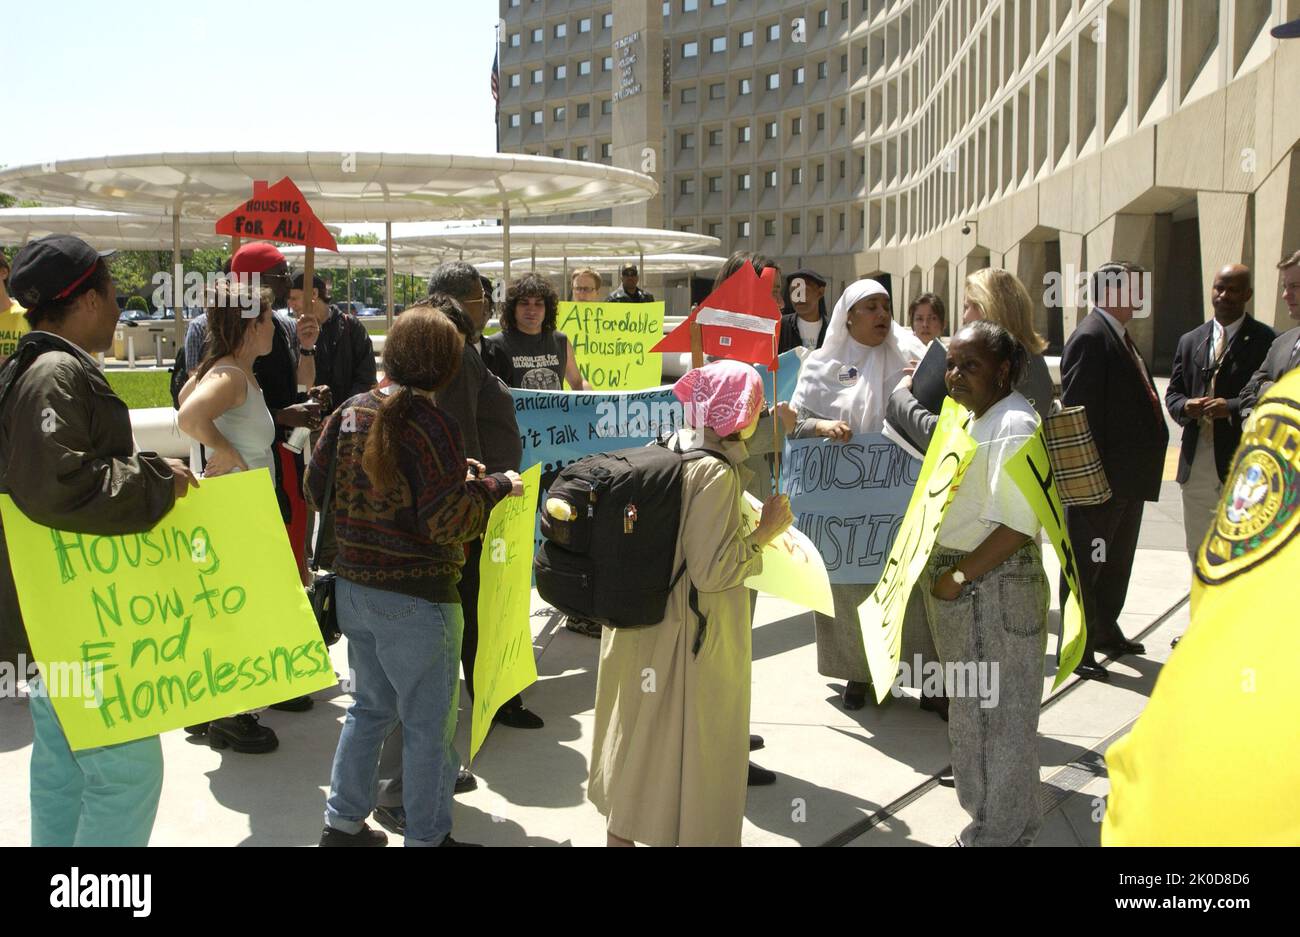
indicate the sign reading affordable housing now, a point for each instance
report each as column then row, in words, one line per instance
column 199, row 618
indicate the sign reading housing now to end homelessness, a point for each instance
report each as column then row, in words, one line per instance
column 199, row 618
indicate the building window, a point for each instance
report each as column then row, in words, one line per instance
column 715, row 183
column 823, row 19
column 841, row 169
column 717, row 3
column 688, row 96
column 514, row 120
column 558, row 115
column 742, row 229
column 584, row 67
column 820, row 226
column 514, row 4
column 742, row 182
column 769, row 130
column 607, row 106
column 584, row 24
column 537, row 76
column 666, row 7
column 841, row 221
column 714, row 229
column 558, row 152
column 843, row 114
column 560, row 72
column 583, row 152
column 516, row 40
column 686, row 186
column 821, row 120
column 796, row 175
column 797, row 76
column 690, row 6
column 821, row 172
column 536, row 36
column 607, row 21
column 514, row 80
column 690, row 50
column 746, row 38
column 796, row 126
column 584, row 111
column 742, row 134
column 607, row 63
column 769, row 228
column 715, row 138
column 742, row 86
column 774, row 32
column 561, row 30
column 718, row 44
column 606, row 150
column 687, row 141
column 821, row 70
column 537, row 118
column 794, row 227
column 769, row 179
column 844, row 63
column 717, row 91
column 773, row 81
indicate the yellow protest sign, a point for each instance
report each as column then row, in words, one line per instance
column 1215, row 757
column 504, row 665
column 199, row 618
column 612, row 342
column 13, row 326
column 792, row 566
column 1031, row 470
column 881, row 615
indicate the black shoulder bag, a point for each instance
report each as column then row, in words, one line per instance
column 322, row 590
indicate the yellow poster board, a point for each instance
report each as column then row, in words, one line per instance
column 881, row 615
column 1214, row 759
column 611, row 343
column 505, row 664
column 13, row 326
column 1031, row 470
column 792, row 566
column 202, row 617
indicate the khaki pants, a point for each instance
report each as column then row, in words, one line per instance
column 1200, row 493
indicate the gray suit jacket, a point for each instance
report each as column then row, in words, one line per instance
column 1283, row 356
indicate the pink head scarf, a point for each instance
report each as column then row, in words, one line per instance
column 723, row 395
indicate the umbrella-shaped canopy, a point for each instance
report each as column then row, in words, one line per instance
column 664, row 265
column 485, row 242
column 104, row 230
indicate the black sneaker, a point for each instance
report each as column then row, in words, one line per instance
column 299, row 704
column 392, row 819
column 583, row 626
column 366, row 837
column 200, row 729
column 465, row 781
column 243, row 733
column 759, row 777
column 514, row 714
column 451, row 842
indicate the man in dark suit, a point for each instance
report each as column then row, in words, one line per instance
column 1212, row 365
column 1102, row 371
column 1284, row 355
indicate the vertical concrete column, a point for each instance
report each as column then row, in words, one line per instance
column 1028, row 261
column 1277, row 236
column 1131, row 238
column 1072, row 265
column 1227, row 235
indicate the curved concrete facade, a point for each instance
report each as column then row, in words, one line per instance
column 861, row 136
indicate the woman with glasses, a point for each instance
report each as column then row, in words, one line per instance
column 584, row 286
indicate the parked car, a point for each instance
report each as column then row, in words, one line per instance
column 134, row 315
column 353, row 307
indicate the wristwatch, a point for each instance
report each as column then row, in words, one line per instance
column 307, row 352
column 958, row 576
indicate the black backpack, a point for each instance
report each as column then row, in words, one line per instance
column 179, row 375
column 612, row 559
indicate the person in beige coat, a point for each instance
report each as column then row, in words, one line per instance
column 671, row 747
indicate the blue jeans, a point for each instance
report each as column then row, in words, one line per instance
column 105, row 796
column 404, row 654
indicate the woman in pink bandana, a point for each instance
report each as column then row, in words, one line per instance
column 671, row 750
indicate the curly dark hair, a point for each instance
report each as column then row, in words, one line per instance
column 530, row 284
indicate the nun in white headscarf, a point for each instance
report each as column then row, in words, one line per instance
column 842, row 391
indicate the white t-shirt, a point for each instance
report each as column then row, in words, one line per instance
column 808, row 332
column 987, row 496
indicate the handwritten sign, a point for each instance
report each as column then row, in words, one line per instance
column 199, row 618
column 849, row 500
column 612, row 341
column 13, row 326
column 277, row 213
column 1031, row 470
column 792, row 567
column 504, row 665
column 881, row 615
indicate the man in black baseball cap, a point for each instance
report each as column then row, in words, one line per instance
column 68, row 460
column 804, row 319
column 629, row 292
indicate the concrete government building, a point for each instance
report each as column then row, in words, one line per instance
column 925, row 139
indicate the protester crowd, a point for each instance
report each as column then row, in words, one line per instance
column 398, row 478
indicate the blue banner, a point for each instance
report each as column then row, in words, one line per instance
column 849, row 499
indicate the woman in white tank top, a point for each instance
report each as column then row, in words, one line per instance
column 222, row 405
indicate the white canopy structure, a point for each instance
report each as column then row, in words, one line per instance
column 665, row 265
column 483, row 243
column 406, row 260
column 340, row 187
column 105, row 230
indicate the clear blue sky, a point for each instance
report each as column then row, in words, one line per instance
column 88, row 78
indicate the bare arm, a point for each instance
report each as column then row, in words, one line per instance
column 571, row 372
column 201, row 403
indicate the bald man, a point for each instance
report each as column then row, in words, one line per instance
column 1213, row 364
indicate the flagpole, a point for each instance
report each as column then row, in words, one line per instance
column 776, row 439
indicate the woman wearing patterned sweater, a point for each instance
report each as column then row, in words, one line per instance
column 403, row 509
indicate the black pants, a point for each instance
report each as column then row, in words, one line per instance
column 1104, row 538
column 468, row 588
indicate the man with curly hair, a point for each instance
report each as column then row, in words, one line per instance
column 529, row 352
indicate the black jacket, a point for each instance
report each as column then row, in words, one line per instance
column 1283, row 356
column 790, row 333
column 1099, row 374
column 345, row 357
column 1191, row 378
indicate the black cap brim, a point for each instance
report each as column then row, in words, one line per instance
column 1289, row 30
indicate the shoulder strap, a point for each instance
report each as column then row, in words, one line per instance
column 326, row 507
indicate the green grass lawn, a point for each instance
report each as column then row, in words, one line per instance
column 141, row 389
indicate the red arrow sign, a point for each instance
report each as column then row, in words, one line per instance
column 739, row 320
column 277, row 213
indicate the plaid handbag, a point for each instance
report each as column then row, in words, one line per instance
column 1076, row 463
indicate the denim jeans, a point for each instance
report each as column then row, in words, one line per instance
column 105, row 796
column 996, row 628
column 404, row 654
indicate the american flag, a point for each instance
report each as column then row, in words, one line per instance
column 496, row 79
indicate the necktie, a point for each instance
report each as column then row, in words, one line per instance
column 1220, row 341
column 1142, row 372
column 1295, row 356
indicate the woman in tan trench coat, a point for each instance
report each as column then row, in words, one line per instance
column 671, row 748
